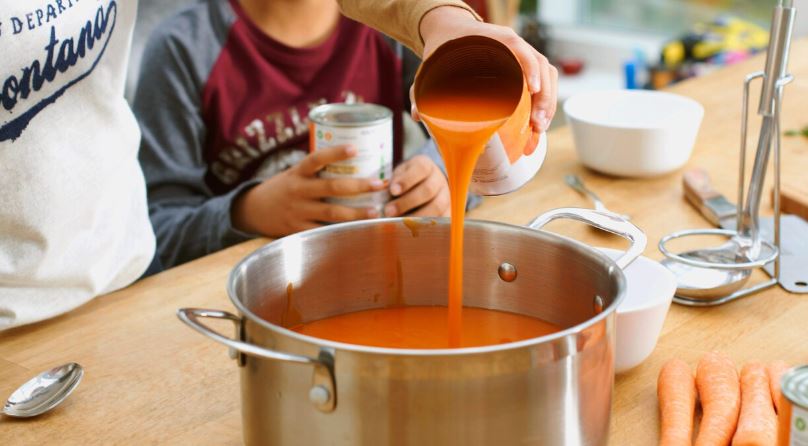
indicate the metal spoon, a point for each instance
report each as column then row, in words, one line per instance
column 707, row 284
column 44, row 392
column 575, row 182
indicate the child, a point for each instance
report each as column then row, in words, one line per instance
column 73, row 216
column 223, row 101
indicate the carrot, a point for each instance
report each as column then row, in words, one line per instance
column 720, row 394
column 757, row 425
column 775, row 371
column 676, row 391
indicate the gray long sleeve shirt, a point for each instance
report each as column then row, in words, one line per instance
column 218, row 101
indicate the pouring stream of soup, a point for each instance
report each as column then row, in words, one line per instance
column 464, row 99
column 461, row 124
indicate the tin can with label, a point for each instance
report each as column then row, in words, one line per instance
column 792, row 429
column 513, row 156
column 369, row 128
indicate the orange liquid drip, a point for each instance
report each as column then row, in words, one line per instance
column 424, row 327
column 462, row 115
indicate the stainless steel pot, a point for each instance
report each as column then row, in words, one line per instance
column 552, row 390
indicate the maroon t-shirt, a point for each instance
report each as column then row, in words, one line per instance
column 259, row 92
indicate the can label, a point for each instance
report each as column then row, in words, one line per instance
column 374, row 158
column 500, row 170
column 793, row 414
column 799, row 426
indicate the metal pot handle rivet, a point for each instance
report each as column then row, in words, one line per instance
column 319, row 395
column 598, row 304
column 323, row 377
column 605, row 221
column 507, row 272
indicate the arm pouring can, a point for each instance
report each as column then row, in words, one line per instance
column 792, row 420
column 369, row 128
column 516, row 151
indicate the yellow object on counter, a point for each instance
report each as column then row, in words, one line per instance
column 673, row 54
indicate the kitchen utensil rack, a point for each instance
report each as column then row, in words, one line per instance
column 759, row 252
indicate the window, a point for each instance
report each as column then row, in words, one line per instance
column 672, row 17
column 660, row 17
column 606, row 33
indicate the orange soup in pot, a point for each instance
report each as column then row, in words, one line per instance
column 422, row 327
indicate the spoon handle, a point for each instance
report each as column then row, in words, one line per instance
column 575, row 182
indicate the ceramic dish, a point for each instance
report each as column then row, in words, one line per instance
column 633, row 133
column 642, row 313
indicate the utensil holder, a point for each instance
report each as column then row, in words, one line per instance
column 768, row 252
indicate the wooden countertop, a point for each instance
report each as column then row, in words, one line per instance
column 151, row 380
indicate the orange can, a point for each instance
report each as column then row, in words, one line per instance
column 792, row 424
column 516, row 152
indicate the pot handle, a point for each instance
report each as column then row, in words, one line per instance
column 323, row 390
column 605, row 221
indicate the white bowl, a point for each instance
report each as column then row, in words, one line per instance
column 633, row 133
column 641, row 315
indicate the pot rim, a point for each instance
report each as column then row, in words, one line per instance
column 325, row 343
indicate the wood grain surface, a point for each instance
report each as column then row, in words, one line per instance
column 794, row 196
column 151, row 380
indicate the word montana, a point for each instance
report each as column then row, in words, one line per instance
column 18, row 91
